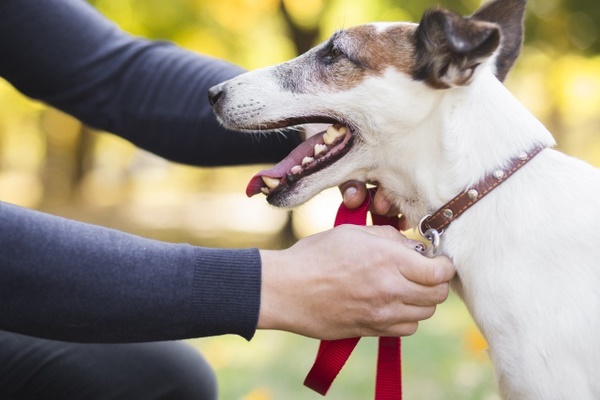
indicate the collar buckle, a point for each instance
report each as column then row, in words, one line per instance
column 432, row 235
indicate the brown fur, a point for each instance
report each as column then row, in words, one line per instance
column 363, row 50
column 391, row 47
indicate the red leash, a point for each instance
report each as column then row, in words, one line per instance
column 333, row 354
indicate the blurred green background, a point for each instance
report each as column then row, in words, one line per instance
column 51, row 162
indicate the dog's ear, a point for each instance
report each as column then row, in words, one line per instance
column 509, row 15
column 449, row 47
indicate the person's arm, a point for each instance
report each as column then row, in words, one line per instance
column 63, row 52
column 66, row 280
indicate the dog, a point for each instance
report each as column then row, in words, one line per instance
column 420, row 109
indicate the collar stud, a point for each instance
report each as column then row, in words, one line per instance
column 498, row 174
column 472, row 194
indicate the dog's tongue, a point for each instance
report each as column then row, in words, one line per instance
column 280, row 170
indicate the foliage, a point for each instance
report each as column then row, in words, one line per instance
column 446, row 359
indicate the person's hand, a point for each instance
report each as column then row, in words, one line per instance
column 351, row 281
column 355, row 192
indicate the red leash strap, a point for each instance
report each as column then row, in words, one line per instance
column 333, row 354
column 388, row 385
column 331, row 357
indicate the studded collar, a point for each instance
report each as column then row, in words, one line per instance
column 440, row 219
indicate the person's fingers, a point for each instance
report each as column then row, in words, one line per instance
column 412, row 265
column 426, row 271
column 387, row 232
column 402, row 329
column 382, row 204
column 402, row 292
column 396, row 330
column 425, row 296
column 397, row 319
column 353, row 193
column 403, row 224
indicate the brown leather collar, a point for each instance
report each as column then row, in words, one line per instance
column 439, row 220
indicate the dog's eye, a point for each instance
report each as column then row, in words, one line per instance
column 333, row 53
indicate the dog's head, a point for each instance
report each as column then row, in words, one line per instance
column 370, row 83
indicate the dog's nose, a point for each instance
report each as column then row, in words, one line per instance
column 214, row 93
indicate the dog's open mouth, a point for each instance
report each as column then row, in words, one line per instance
column 312, row 155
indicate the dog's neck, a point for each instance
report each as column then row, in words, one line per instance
column 472, row 131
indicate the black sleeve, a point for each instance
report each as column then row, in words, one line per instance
column 154, row 94
column 65, row 280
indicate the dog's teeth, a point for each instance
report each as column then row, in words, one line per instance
column 271, row 183
column 307, row 160
column 332, row 134
column 327, row 137
column 264, row 190
column 320, row 148
column 296, row 169
column 332, row 130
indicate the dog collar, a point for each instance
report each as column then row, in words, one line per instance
column 433, row 225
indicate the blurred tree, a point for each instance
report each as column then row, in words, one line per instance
column 255, row 33
column 564, row 25
column 304, row 35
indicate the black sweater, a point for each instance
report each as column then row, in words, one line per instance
column 65, row 280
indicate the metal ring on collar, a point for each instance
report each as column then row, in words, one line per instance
column 434, row 237
column 421, row 224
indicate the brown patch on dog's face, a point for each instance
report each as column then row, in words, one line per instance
column 349, row 56
column 381, row 49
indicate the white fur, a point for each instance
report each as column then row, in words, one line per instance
column 382, row 26
column 527, row 255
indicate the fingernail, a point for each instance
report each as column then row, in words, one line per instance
column 414, row 243
column 386, row 204
column 349, row 193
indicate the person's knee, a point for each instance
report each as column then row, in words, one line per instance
column 189, row 375
column 148, row 371
column 170, row 371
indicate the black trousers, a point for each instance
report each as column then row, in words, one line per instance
column 38, row 369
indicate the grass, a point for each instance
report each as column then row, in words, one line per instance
column 445, row 359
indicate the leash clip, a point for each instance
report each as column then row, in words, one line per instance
column 431, row 235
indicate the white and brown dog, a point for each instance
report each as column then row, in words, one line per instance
column 421, row 110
